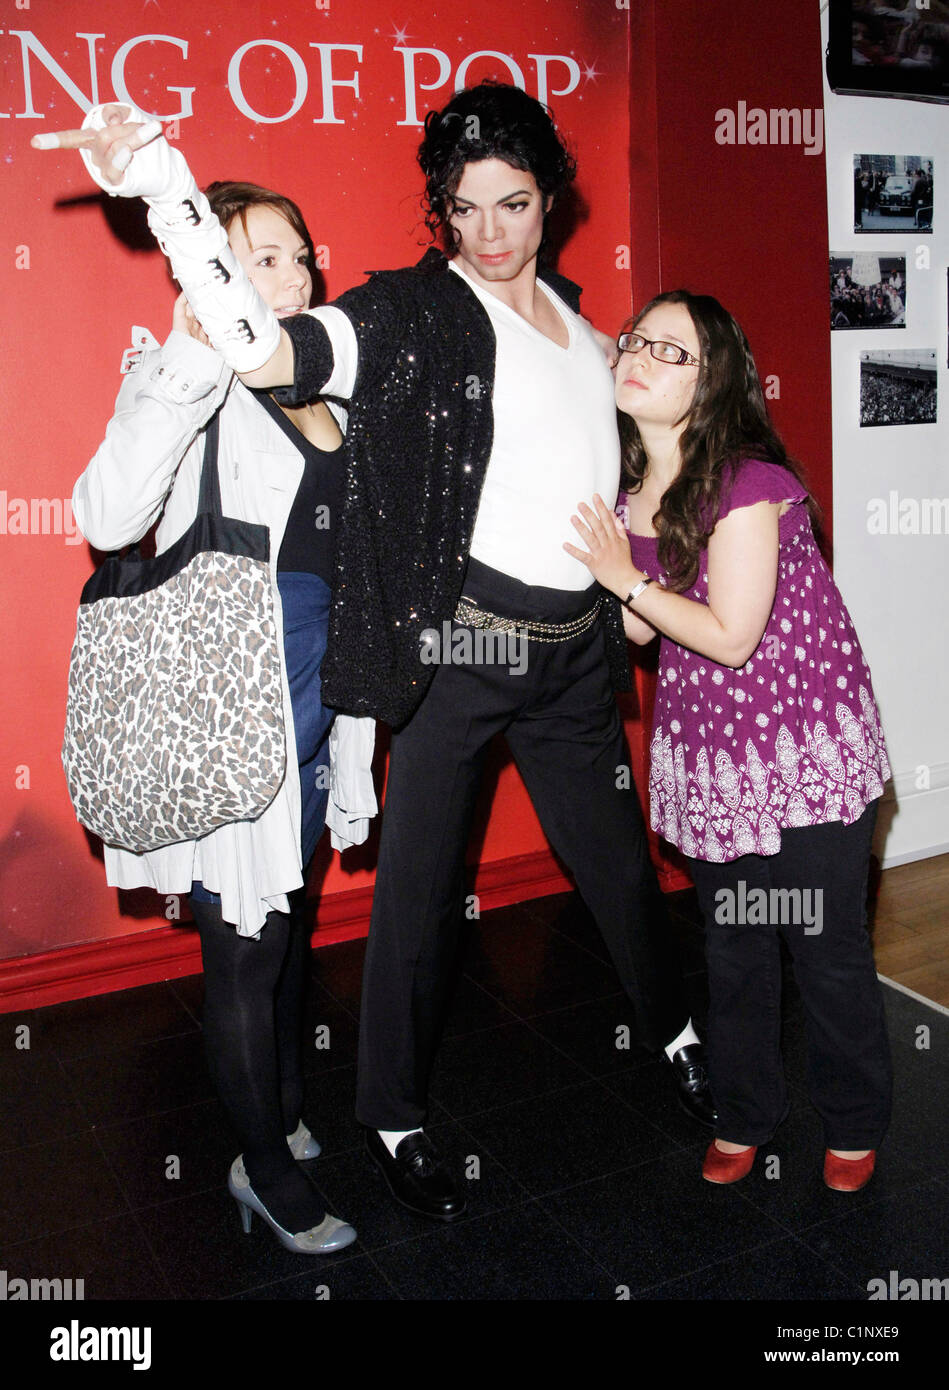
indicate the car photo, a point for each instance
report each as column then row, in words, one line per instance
column 897, row 195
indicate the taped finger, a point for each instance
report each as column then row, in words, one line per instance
column 62, row 139
column 145, row 134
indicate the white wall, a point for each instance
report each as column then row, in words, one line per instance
column 896, row 586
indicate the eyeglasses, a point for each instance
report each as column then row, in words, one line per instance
column 669, row 353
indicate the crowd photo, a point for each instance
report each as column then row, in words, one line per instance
column 868, row 292
column 897, row 388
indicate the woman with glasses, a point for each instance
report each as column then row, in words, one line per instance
column 767, row 754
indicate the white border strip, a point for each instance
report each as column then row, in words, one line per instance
column 914, row 856
column 904, row 989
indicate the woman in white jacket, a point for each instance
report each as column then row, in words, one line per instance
column 283, row 468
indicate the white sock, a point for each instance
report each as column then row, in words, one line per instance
column 686, row 1038
column 392, row 1138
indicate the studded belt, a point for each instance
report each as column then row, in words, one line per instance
column 470, row 615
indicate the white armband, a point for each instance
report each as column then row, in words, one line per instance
column 239, row 324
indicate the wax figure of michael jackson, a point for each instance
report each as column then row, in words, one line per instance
column 480, row 410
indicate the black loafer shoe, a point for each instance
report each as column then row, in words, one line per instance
column 691, row 1079
column 417, row 1176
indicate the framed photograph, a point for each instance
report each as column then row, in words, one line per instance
column 892, row 193
column 889, row 48
column 898, row 387
column 867, row 291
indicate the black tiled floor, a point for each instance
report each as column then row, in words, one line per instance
column 111, row 1257
column 54, row 1187
column 36, row 1100
column 109, row 1022
column 160, row 1158
column 784, row 1269
column 496, row 1066
column 352, row 1278
column 556, row 1141
column 145, row 1079
column 504, row 1256
column 599, row 1035
column 530, row 967
column 658, row 1221
column 582, row 1172
column 907, row 1232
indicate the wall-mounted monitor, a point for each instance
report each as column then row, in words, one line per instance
column 889, row 48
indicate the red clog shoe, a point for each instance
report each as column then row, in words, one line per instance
column 848, row 1174
column 722, row 1168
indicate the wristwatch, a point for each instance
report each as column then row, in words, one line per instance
column 634, row 593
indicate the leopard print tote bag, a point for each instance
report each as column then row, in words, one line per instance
column 174, row 716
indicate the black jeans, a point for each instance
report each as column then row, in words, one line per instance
column 822, row 918
column 562, row 725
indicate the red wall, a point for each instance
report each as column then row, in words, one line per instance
column 744, row 222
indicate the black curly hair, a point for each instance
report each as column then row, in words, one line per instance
column 493, row 120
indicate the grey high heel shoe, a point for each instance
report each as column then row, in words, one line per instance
column 331, row 1234
column 302, row 1144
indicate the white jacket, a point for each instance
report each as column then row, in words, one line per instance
column 150, row 460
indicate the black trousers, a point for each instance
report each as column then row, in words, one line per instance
column 563, row 728
column 848, row 1057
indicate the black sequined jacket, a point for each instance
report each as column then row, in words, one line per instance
column 419, row 439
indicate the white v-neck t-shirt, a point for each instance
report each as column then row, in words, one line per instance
column 555, row 444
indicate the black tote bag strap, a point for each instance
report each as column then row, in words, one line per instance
column 209, row 485
column 209, row 489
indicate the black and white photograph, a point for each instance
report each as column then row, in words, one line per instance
column 898, row 387
column 892, row 193
column 867, row 291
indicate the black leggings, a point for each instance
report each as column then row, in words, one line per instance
column 254, row 988
column 253, row 1017
column 848, row 1057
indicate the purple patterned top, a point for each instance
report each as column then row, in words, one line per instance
column 793, row 737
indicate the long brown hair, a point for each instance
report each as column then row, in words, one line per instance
column 727, row 422
column 230, row 199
